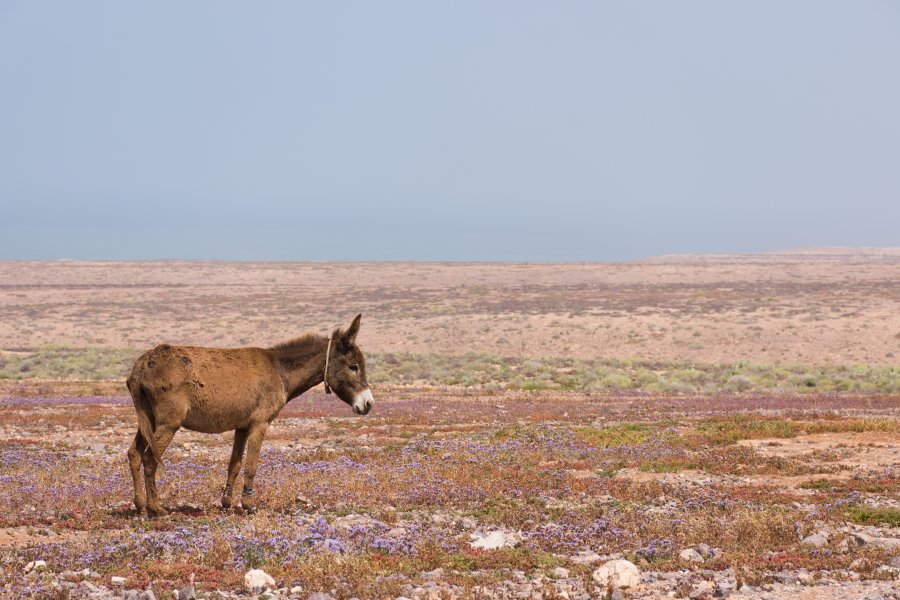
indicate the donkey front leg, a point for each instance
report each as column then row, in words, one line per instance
column 254, row 442
column 234, row 465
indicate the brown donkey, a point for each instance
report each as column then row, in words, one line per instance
column 216, row 390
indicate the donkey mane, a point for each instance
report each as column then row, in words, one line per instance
column 295, row 343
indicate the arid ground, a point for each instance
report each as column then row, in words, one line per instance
column 728, row 424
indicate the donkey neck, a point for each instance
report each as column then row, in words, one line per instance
column 301, row 362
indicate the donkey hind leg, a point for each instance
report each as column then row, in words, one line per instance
column 163, row 435
column 255, row 437
column 234, row 465
column 138, row 446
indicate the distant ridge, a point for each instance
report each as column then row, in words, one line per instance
column 805, row 254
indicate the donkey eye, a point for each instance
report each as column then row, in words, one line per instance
column 354, row 368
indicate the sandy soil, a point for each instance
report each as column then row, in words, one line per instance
column 814, row 306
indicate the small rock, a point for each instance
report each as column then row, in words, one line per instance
column 148, row 595
column 435, row 574
column 786, row 577
column 320, row 596
column 860, row 539
column 117, row 580
column 705, row 550
column 616, row 594
column 704, row 589
column 35, row 566
column 131, row 595
column 186, row 593
column 724, row 589
column 690, row 555
column 816, row 540
column 618, row 573
column 805, row 577
column 494, row 539
column 257, row 580
column 560, row 573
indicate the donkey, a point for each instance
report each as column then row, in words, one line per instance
column 214, row 390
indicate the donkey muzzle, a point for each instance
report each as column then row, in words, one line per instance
column 362, row 403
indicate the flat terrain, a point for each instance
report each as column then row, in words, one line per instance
column 729, row 424
column 812, row 307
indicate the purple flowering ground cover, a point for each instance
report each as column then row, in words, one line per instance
column 360, row 506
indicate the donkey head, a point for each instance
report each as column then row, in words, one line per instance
column 346, row 373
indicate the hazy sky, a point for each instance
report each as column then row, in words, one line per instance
column 446, row 130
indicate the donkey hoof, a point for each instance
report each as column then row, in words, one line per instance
column 158, row 512
column 226, row 503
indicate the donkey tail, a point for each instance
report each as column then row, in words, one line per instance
column 144, row 410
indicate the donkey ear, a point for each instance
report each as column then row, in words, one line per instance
column 350, row 336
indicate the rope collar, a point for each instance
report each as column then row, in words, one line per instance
column 325, row 374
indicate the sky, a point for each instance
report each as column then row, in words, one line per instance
column 467, row 130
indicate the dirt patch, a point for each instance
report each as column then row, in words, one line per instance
column 867, row 451
column 19, row 537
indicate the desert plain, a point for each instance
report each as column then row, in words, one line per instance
column 726, row 424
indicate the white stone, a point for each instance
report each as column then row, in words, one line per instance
column 816, row 540
column 35, row 565
column 296, row 589
column 560, row 573
column 117, row 580
column 494, row 539
column 257, row 579
column 618, row 573
column 690, row 555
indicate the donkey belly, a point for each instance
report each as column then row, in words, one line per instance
column 196, row 422
column 216, row 415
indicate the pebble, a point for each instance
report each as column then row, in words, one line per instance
column 494, row 539
column 690, row 555
column 257, row 580
column 35, row 566
column 816, row 540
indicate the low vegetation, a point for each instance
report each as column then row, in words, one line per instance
column 363, row 505
column 495, row 372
